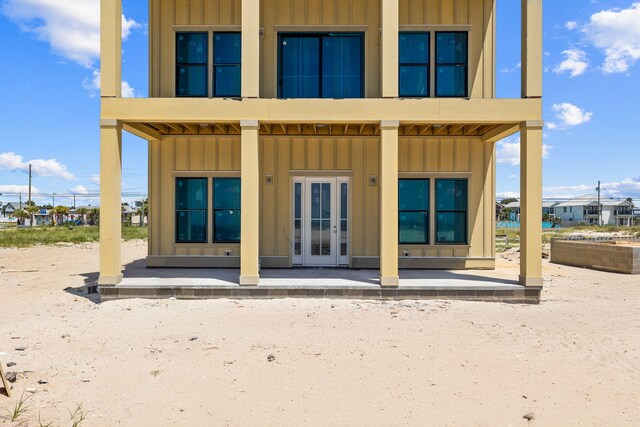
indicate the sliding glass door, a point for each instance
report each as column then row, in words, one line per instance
column 323, row 65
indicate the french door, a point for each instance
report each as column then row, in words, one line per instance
column 320, row 221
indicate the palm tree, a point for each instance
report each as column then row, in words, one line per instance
column 94, row 216
column 60, row 212
column 143, row 211
column 31, row 209
column 83, row 214
column 21, row 215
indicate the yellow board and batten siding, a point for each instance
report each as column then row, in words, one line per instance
column 476, row 16
column 285, row 156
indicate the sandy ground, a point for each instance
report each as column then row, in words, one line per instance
column 572, row 360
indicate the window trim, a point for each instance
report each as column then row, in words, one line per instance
column 427, row 213
column 436, row 65
column 214, row 210
column 466, row 212
column 320, row 35
column 206, row 211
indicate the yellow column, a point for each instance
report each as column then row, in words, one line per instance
column 389, row 203
column 531, row 203
column 531, row 48
column 110, row 203
column 250, row 204
column 111, row 48
column 250, row 49
column 389, row 47
column 110, row 144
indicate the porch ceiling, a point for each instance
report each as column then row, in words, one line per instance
column 161, row 129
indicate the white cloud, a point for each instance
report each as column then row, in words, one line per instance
column 570, row 115
column 79, row 189
column 12, row 161
column 507, row 195
column 513, row 69
column 93, row 86
column 617, row 33
column 95, row 179
column 575, row 63
column 571, row 25
column 15, row 189
column 71, row 27
column 551, row 125
column 628, row 187
column 508, row 152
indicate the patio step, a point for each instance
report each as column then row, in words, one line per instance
column 505, row 294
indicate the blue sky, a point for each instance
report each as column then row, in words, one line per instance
column 49, row 107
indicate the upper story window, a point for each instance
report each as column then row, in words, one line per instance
column 450, row 67
column 414, row 65
column 192, row 64
column 451, row 64
column 325, row 65
column 226, row 64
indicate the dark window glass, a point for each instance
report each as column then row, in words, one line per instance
column 227, row 60
column 191, row 210
column 413, row 211
column 297, row 232
column 226, row 208
column 226, row 48
column 451, row 64
column 321, row 66
column 451, row 211
column 341, row 67
column 300, row 67
column 344, row 237
column 414, row 64
column 191, row 64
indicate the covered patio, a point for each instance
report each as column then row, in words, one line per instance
column 500, row 285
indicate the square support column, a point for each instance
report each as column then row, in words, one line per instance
column 250, row 81
column 110, row 203
column 250, row 205
column 531, row 203
column 390, row 46
column 389, row 203
column 111, row 48
column 531, row 48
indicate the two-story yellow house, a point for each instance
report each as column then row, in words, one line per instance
column 356, row 133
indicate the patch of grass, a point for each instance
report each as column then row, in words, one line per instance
column 27, row 237
column 20, row 409
column 155, row 373
column 77, row 416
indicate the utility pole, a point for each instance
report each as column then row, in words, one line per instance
column 20, row 204
column 29, row 184
column 599, row 206
column 74, row 202
column 53, row 196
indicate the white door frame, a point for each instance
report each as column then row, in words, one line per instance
column 304, row 256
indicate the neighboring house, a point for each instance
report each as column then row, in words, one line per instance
column 11, row 207
column 325, row 133
column 548, row 208
column 585, row 209
column 42, row 217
